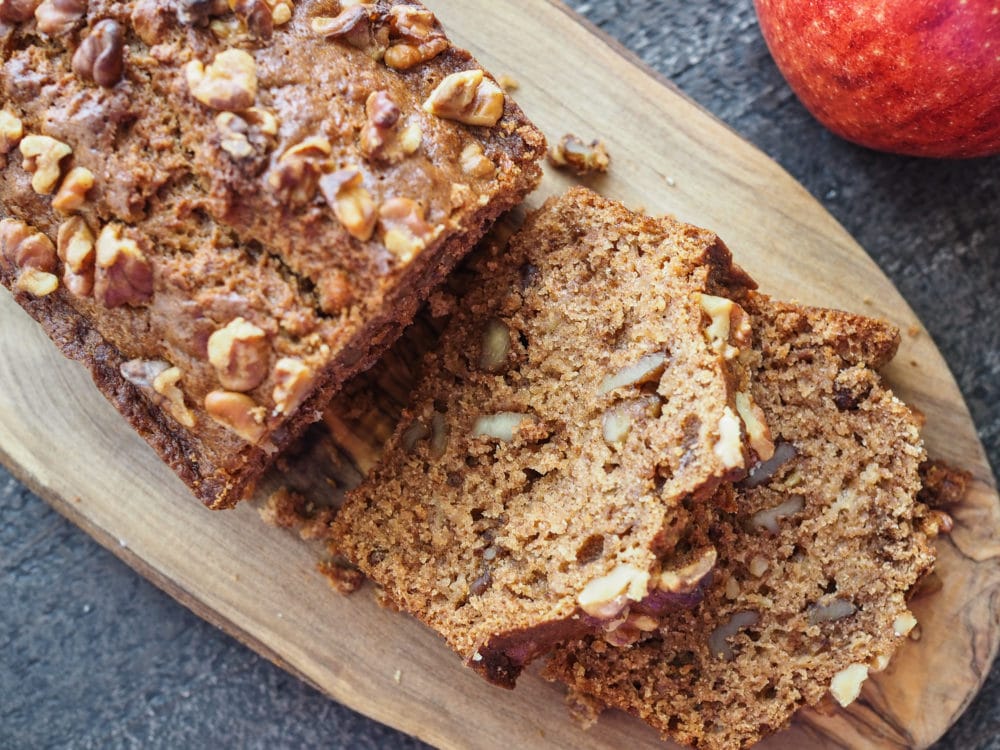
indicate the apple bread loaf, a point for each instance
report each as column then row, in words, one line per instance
column 810, row 589
column 586, row 392
column 224, row 210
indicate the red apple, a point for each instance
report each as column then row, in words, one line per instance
column 918, row 77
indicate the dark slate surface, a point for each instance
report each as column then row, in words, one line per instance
column 93, row 656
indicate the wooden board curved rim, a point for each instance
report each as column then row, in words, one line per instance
column 61, row 438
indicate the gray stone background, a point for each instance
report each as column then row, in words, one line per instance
column 93, row 656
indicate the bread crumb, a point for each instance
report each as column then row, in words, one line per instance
column 913, row 330
column 341, row 575
column 398, row 677
column 508, row 83
column 584, row 158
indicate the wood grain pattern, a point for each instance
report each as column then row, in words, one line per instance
column 60, row 437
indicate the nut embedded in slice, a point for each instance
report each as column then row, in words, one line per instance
column 605, row 597
column 240, row 354
column 73, row 192
column 58, row 17
column 101, row 56
column 42, row 155
column 165, row 384
column 11, row 131
column 351, row 202
column 293, row 380
column 845, row 686
column 238, row 413
column 229, row 82
column 26, row 247
column 124, row 275
column 406, row 232
column 37, row 283
column 468, row 97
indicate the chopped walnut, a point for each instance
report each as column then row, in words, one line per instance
column 293, row 381
column 240, row 354
column 468, row 97
column 474, row 162
column 248, row 133
column 728, row 447
column 25, row 247
column 17, row 11
column 296, row 176
column 238, row 413
column 414, row 37
column 101, row 56
column 256, row 16
column 152, row 20
column 11, row 131
column 123, row 275
column 758, row 432
column 607, row 596
column 42, row 155
column 165, row 384
column 405, row 231
column 583, row 157
column 58, row 17
column 351, row 202
column 197, row 12
column 383, row 114
column 229, row 82
column 75, row 246
column 37, row 283
column 729, row 323
column 73, row 191
column 353, row 24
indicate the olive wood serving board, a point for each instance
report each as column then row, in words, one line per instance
column 59, row 436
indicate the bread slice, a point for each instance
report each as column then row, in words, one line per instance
column 814, row 566
column 586, row 388
column 226, row 210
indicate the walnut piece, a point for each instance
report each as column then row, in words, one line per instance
column 36, row 283
column 414, row 37
column 728, row 322
column 296, row 176
column 494, row 346
column 25, row 247
column 758, row 432
column 353, row 25
column 501, row 426
column 468, row 97
column 228, row 83
column 351, row 202
column 293, row 380
column 11, row 131
column 688, row 578
column 583, row 158
column 768, row 517
column 718, row 639
column 607, row 596
column 123, row 275
column 101, row 56
column 73, row 191
column 240, row 354
column 405, row 231
column 474, row 162
column 58, row 17
column 75, row 246
column 42, row 155
column 845, row 686
column 728, row 447
column 238, row 413
column 197, row 12
column 248, row 133
column 165, row 384
column 649, row 367
column 382, row 116
column 17, row 11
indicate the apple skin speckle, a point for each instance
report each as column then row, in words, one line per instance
column 917, row 77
